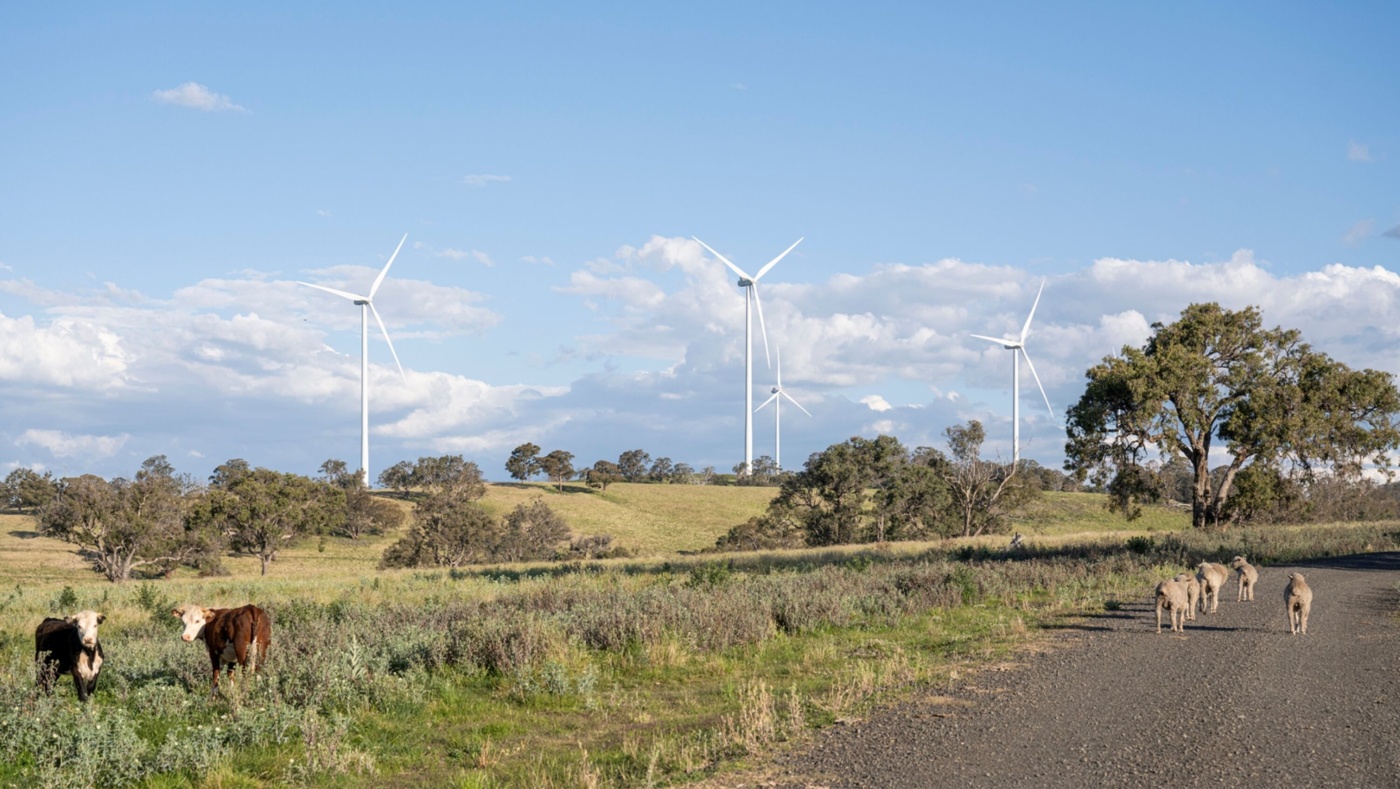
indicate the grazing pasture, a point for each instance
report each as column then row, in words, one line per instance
column 617, row 673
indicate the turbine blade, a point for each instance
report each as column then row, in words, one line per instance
column 1037, row 383
column 993, row 339
column 754, row 289
column 339, row 293
column 375, row 287
column 766, row 402
column 1027, row 328
column 380, row 321
column 775, row 260
column 778, row 354
column 724, row 260
column 794, row 402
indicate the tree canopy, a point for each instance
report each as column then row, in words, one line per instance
column 1214, row 380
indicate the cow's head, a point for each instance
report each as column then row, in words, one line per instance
column 86, row 622
column 194, row 618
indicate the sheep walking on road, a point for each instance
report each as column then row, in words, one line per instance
column 1193, row 593
column 1297, row 596
column 1171, row 597
column 1212, row 577
column 1248, row 577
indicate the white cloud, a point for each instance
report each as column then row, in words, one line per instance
column 459, row 254
column 254, row 366
column 544, row 259
column 196, row 96
column 738, row 86
column 321, row 212
column 1358, row 232
column 65, row 445
column 1356, row 152
column 483, row 180
column 876, row 403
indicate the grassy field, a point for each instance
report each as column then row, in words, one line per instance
column 649, row 520
column 654, row 670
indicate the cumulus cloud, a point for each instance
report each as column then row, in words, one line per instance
column 67, row 445
column 196, row 96
column 876, row 403
column 483, row 180
column 1356, row 152
column 251, row 365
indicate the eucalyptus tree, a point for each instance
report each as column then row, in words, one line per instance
column 524, row 461
column 558, row 466
column 125, row 524
column 25, row 488
column 1217, row 383
column 262, row 511
column 981, row 490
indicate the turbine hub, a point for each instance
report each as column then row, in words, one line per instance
column 361, row 302
column 744, row 283
column 774, row 390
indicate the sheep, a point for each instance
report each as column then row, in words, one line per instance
column 1171, row 596
column 1297, row 598
column 1212, row 576
column 1248, row 577
column 1193, row 593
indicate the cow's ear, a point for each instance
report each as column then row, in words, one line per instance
column 208, row 614
column 72, row 620
column 178, row 613
column 101, row 618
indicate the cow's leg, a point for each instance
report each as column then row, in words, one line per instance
column 214, row 658
column 80, row 684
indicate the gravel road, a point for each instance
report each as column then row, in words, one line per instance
column 1234, row 701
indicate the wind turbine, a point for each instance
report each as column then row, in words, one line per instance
column 777, row 401
column 750, row 285
column 366, row 305
column 1018, row 348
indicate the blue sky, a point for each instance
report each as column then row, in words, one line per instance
column 172, row 169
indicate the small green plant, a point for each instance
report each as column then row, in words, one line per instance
column 1141, row 545
column 67, row 600
column 709, row 575
column 1112, row 605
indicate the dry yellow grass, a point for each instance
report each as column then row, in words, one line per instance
column 650, row 520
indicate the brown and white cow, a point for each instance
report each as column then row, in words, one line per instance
column 232, row 635
column 69, row 645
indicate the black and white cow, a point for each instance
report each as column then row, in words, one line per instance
column 69, row 645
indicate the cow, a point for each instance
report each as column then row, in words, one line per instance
column 69, row 645
column 232, row 635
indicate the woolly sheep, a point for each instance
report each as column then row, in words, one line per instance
column 1193, row 593
column 1212, row 577
column 1171, row 596
column 1248, row 577
column 1297, row 597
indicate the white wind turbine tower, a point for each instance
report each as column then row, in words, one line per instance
column 366, row 304
column 1018, row 348
column 750, row 285
column 777, row 400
